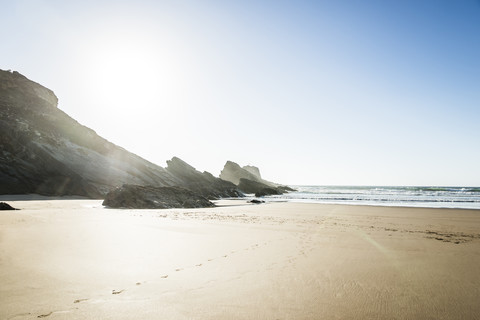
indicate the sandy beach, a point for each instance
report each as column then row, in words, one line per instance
column 74, row 259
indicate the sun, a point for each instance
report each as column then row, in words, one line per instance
column 133, row 85
column 128, row 65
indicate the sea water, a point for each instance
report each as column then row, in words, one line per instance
column 430, row 197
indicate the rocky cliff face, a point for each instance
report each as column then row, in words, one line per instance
column 233, row 172
column 203, row 183
column 249, row 180
column 253, row 170
column 44, row 151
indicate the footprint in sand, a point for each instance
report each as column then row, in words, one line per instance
column 198, row 265
column 179, row 269
column 45, row 315
column 79, row 300
column 117, row 292
column 164, row 277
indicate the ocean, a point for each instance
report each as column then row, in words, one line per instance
column 428, row 197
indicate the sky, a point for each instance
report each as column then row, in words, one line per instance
column 351, row 92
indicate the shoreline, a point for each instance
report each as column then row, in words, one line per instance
column 74, row 259
column 403, row 196
column 233, row 202
column 374, row 205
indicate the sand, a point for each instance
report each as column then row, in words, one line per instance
column 74, row 259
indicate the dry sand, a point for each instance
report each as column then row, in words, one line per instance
column 73, row 259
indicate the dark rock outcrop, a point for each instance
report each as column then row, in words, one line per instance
column 249, row 180
column 267, row 192
column 6, row 206
column 258, row 188
column 147, row 197
column 284, row 189
column 250, row 186
column 203, row 183
column 233, row 172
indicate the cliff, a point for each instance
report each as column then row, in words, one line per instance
column 249, row 180
column 44, row 151
column 203, row 183
column 233, row 172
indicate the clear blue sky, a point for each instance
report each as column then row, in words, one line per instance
column 312, row 92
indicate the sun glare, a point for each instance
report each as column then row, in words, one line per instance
column 126, row 72
column 133, row 69
column 136, row 81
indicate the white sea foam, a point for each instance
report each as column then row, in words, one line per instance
column 430, row 197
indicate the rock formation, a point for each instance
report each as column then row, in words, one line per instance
column 6, row 206
column 250, row 186
column 141, row 197
column 203, row 183
column 44, row 151
column 233, row 172
column 249, row 180
column 253, row 170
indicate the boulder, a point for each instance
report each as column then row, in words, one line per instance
column 148, row 197
column 6, row 206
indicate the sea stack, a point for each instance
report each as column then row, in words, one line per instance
column 249, row 180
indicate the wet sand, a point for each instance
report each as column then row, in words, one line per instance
column 74, row 259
